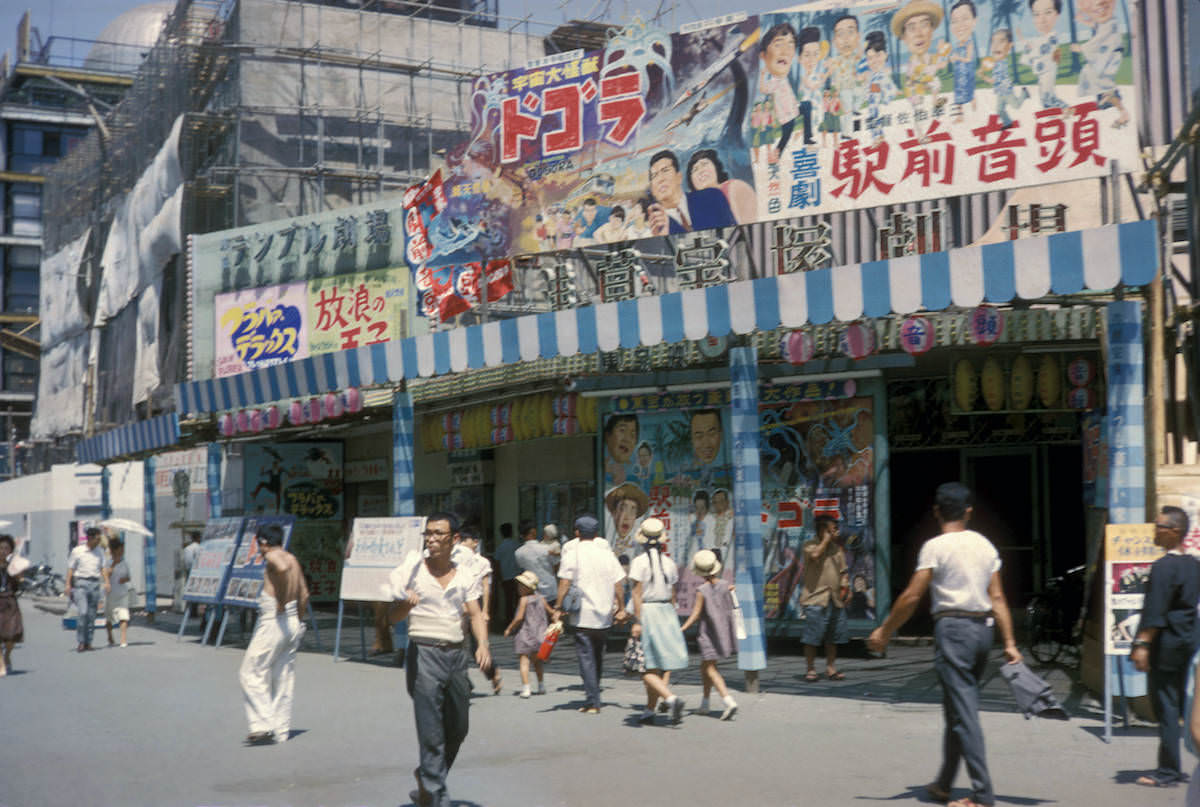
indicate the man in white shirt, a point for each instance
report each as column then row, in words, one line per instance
column 432, row 590
column 87, row 571
column 963, row 569
column 589, row 564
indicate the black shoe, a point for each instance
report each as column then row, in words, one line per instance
column 260, row 738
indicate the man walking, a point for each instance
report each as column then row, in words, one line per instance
column 432, row 591
column 963, row 570
column 268, row 671
column 825, row 580
column 1166, row 638
column 589, row 565
column 506, row 561
column 87, row 571
column 534, row 556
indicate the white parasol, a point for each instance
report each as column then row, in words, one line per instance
column 125, row 525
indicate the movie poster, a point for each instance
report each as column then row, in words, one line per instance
column 667, row 456
column 1129, row 551
column 817, row 460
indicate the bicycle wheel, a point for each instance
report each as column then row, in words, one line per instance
column 1043, row 634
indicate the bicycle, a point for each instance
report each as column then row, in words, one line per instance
column 1052, row 618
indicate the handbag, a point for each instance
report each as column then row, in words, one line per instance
column 739, row 621
column 634, row 659
column 549, row 639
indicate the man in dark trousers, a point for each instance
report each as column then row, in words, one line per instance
column 432, row 590
column 962, row 569
column 1166, row 638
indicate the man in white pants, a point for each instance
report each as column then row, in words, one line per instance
column 269, row 667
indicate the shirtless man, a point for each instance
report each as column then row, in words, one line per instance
column 268, row 670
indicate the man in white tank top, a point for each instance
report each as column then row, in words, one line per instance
column 963, row 570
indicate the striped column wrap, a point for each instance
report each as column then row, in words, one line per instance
column 150, row 556
column 747, row 497
column 1126, row 414
column 214, row 480
column 403, row 433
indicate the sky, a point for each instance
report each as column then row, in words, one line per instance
column 85, row 19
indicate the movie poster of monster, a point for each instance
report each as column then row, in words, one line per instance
column 667, row 456
column 808, row 110
column 817, row 460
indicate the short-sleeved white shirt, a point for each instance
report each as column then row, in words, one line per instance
column 475, row 565
column 86, row 562
column 438, row 614
column 656, row 585
column 963, row 564
column 594, row 570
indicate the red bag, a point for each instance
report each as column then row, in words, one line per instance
column 549, row 639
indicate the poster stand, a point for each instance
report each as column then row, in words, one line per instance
column 187, row 613
column 1129, row 551
column 208, row 623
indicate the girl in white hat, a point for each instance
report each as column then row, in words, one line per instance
column 714, row 611
column 654, row 576
column 529, row 626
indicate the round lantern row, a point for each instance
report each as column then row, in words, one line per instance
column 329, row 406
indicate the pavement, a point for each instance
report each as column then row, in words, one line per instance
column 160, row 723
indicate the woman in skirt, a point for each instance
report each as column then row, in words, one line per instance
column 654, row 576
column 12, row 629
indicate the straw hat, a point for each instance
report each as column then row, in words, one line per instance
column 528, row 579
column 912, row 9
column 651, row 530
column 705, row 563
column 627, row 490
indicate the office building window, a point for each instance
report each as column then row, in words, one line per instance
column 23, row 209
column 20, row 372
column 31, row 145
column 21, row 279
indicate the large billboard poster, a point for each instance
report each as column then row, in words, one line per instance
column 817, row 459
column 667, row 456
column 260, row 328
column 809, row 110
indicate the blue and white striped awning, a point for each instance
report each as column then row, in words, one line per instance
column 1030, row 269
column 132, row 438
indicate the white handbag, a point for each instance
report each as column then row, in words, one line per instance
column 739, row 621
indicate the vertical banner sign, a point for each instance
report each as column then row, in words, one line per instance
column 747, row 496
column 1126, row 410
column 150, row 556
column 403, row 496
column 1129, row 550
column 817, row 459
column 667, row 457
column 247, row 570
column 206, row 582
column 377, row 546
column 214, row 480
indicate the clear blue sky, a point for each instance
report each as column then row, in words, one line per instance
column 86, row 18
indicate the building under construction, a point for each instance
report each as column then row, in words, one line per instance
column 268, row 109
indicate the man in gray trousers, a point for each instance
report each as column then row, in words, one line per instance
column 963, row 569
column 432, row 591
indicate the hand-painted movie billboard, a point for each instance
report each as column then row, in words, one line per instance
column 812, row 109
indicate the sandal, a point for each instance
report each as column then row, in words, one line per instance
column 811, row 676
column 1152, row 781
column 835, row 676
column 965, row 803
column 935, row 793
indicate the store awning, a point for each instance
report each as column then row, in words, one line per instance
column 132, row 438
column 1029, row 268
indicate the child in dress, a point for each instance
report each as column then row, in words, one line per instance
column 714, row 611
column 529, row 625
column 116, row 604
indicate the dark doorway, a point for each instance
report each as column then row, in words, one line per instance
column 914, row 479
column 1004, row 483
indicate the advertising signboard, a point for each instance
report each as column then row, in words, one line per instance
column 378, row 545
column 207, row 581
column 1129, row 550
column 247, row 569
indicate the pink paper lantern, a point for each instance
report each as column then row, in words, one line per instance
column 916, row 335
column 333, row 405
column 256, row 421
column 315, row 411
column 353, row 399
column 1081, row 398
column 1080, row 372
column 857, row 341
column 985, row 325
column 242, row 421
column 798, row 347
column 274, row 417
column 225, row 425
column 296, row 413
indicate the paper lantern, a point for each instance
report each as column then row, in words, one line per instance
column 565, row 405
column 332, row 405
column 256, row 420
column 964, row 385
column 225, row 425
column 985, row 325
column 798, row 347
column 1020, row 383
column 565, row 425
column 991, row 383
column 274, row 417
column 916, row 335
column 242, row 421
column 1081, row 398
column 353, row 399
column 501, row 434
column 296, row 413
column 315, row 412
column 501, row 414
column 1080, row 372
column 451, row 421
column 857, row 341
column 1049, row 385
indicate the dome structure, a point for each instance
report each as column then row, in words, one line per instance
column 124, row 41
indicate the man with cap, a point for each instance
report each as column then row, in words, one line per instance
column 826, row 583
column 962, row 569
column 268, row 671
column 590, row 565
column 432, row 590
column 87, row 570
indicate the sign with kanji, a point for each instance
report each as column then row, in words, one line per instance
column 376, row 547
column 809, row 110
column 1129, row 550
column 348, row 311
column 260, row 327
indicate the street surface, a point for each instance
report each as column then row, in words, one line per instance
column 160, row 723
